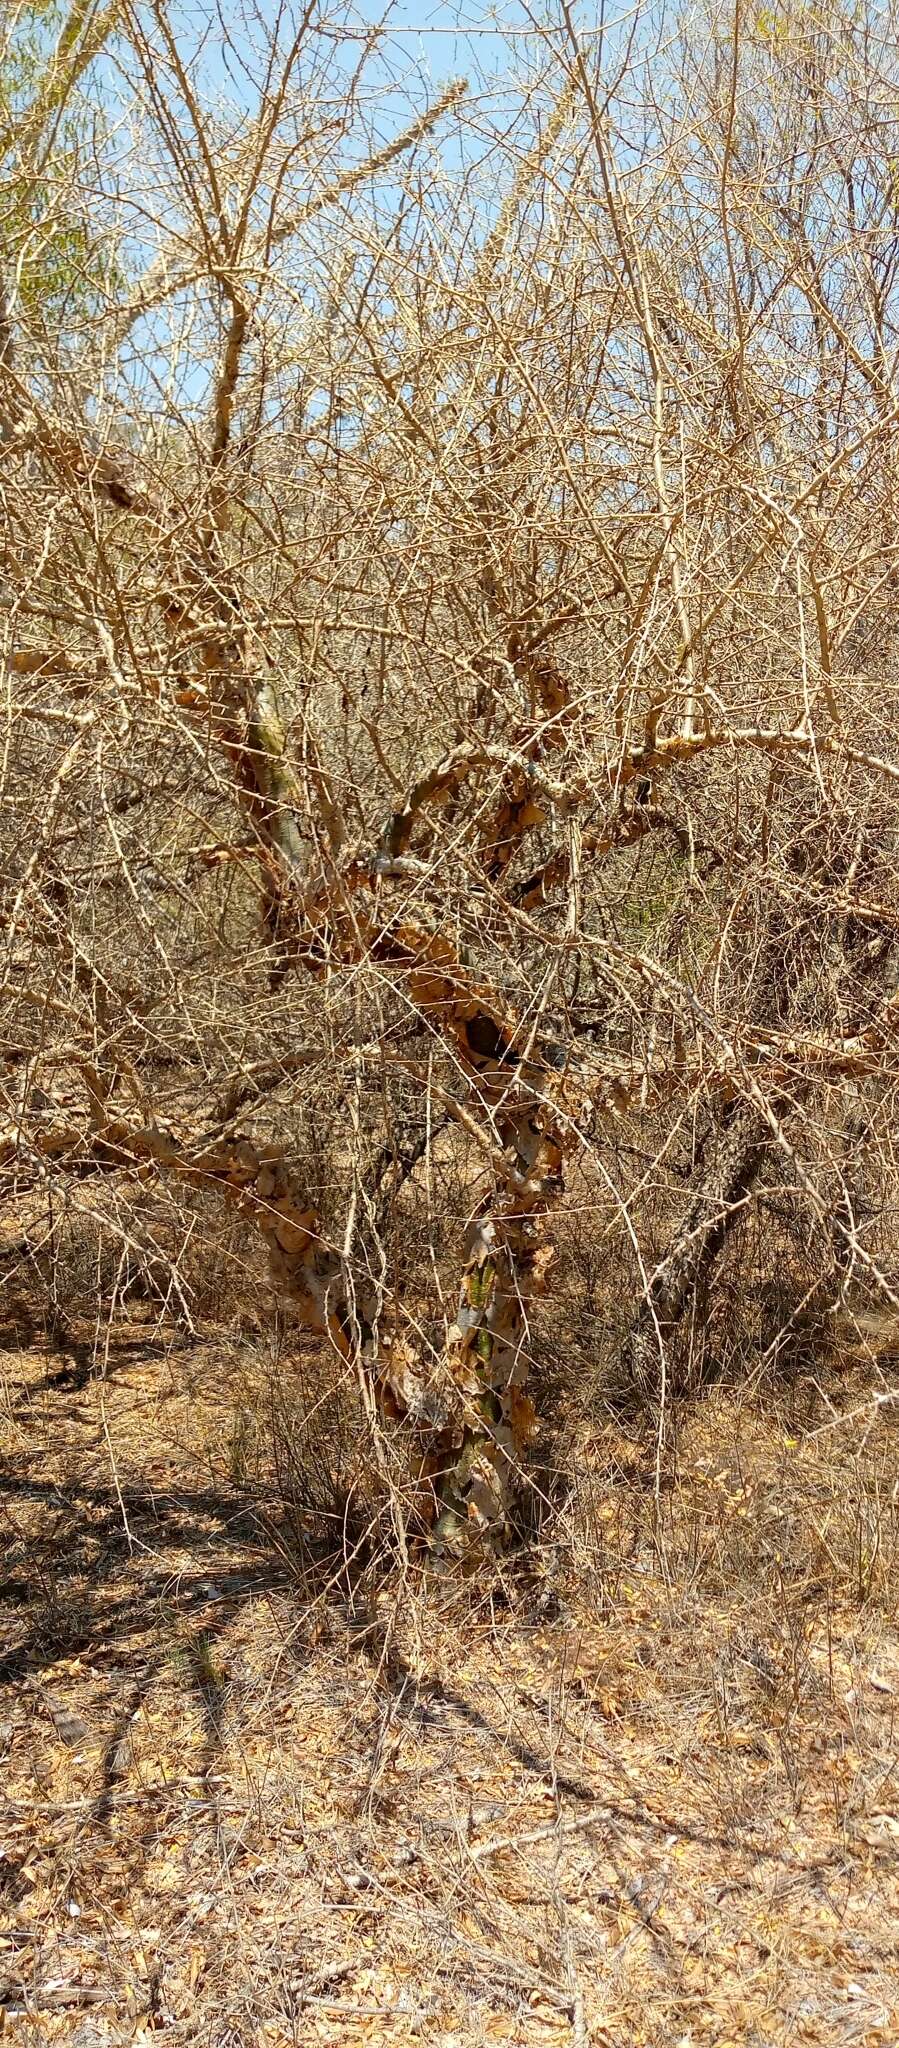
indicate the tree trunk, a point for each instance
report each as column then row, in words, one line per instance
column 487, row 1355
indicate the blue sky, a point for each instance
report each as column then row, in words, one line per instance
column 439, row 38
column 421, row 45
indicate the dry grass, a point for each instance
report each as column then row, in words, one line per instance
column 644, row 1794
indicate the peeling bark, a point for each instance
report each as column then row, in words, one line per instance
column 520, row 810
column 520, row 1094
column 466, row 1465
column 487, row 1354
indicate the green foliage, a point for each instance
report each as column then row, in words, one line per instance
column 61, row 267
column 26, row 52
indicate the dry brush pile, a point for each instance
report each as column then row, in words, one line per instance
column 449, row 733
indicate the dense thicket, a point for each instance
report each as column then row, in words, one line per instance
column 449, row 738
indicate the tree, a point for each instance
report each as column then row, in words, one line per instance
column 48, row 54
column 450, row 603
